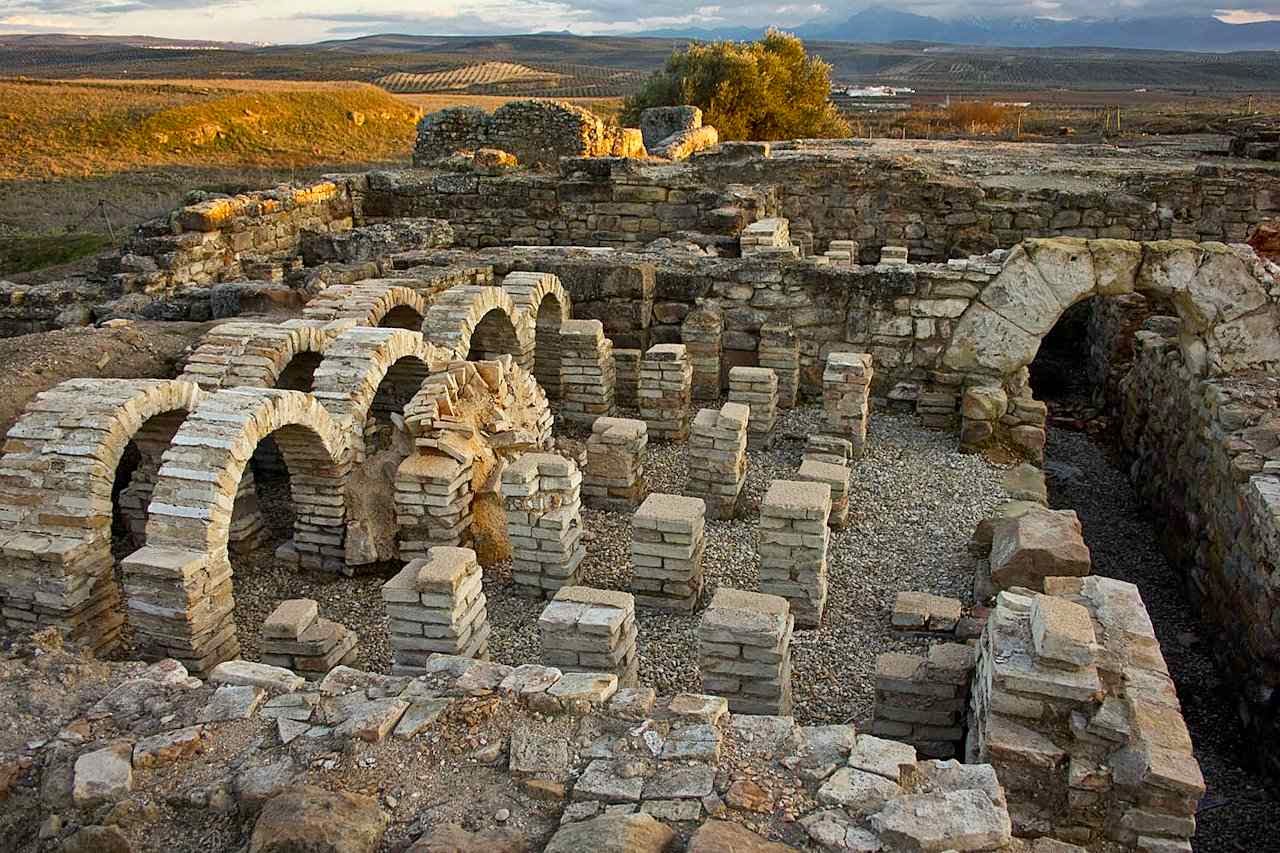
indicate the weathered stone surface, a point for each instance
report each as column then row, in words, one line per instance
column 307, row 819
column 932, row 823
column 1035, row 545
column 103, row 775
column 452, row 838
column 623, row 833
column 720, row 836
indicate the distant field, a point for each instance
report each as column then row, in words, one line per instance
column 81, row 128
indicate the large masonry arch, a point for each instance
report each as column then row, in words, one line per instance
column 367, row 369
column 374, row 302
column 479, row 323
column 57, row 474
column 243, row 354
column 544, row 305
column 178, row 586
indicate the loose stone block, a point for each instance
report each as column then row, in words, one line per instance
column 846, row 395
column 702, row 333
column 664, row 392
column 756, row 388
column 542, row 496
column 744, row 651
column 1034, row 545
column 614, row 477
column 922, row 611
column 434, row 606
column 296, row 638
column 828, row 448
column 922, row 700
column 835, row 476
column 767, row 237
column 779, row 351
column 667, row 539
column 591, row 630
column 718, row 458
column 792, row 546
column 587, row 371
column 894, row 256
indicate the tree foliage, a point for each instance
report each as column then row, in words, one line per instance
column 761, row 90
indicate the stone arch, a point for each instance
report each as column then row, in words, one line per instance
column 374, row 302
column 178, row 586
column 243, row 354
column 481, row 320
column 56, row 481
column 545, row 303
column 1221, row 293
column 362, row 366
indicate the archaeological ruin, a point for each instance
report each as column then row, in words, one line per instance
column 584, row 496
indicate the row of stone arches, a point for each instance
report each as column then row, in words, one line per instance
column 314, row 391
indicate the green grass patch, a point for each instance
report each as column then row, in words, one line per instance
column 28, row 252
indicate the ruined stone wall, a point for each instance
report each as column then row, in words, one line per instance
column 1202, row 455
column 537, row 132
column 210, row 241
column 936, row 208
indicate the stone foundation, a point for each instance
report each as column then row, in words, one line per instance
column 591, row 630
column 663, row 393
column 542, row 496
column 667, row 538
column 613, row 479
column 756, row 388
column 744, row 651
column 793, row 547
column 718, row 461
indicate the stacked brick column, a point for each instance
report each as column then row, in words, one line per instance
column 436, row 606
column 846, row 394
column 614, row 476
column 744, row 651
column 587, row 371
column 829, row 448
column 295, row 637
column 780, row 352
column 922, row 700
column 703, row 333
column 542, row 496
column 757, row 388
column 667, row 540
column 591, row 630
column 793, row 547
column 627, row 371
column 718, row 458
column 835, row 476
column 433, row 501
column 663, row 395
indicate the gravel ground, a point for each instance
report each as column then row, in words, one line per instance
column 1237, row 813
column 914, row 503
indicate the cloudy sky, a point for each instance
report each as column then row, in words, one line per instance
column 298, row 21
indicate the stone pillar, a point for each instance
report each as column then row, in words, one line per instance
column 893, row 256
column 247, row 531
column 922, row 700
column 587, row 371
column 295, row 637
column 718, row 458
column 591, row 630
column 663, row 395
column 181, row 605
column 981, row 408
column 793, row 547
column 667, row 540
column 703, row 333
column 50, row 580
column 757, row 388
column 614, row 475
column 843, row 253
column 542, row 496
column 433, row 502
column 436, row 605
column 846, row 395
column 627, row 369
column 768, row 237
column 744, row 651
column 780, row 352
column 835, row 476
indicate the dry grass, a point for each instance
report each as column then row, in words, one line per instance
column 79, row 129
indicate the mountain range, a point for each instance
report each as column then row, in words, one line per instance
column 881, row 24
